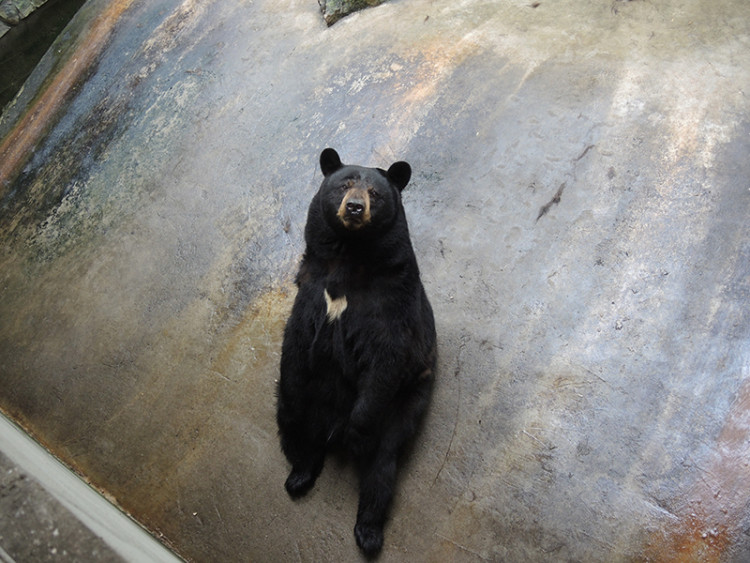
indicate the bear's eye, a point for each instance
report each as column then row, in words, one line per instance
column 373, row 194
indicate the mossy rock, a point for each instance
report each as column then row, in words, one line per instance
column 13, row 11
column 334, row 10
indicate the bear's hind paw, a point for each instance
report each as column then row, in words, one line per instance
column 299, row 482
column 369, row 538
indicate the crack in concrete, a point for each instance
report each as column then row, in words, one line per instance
column 554, row 201
column 558, row 194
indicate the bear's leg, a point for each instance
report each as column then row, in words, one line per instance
column 303, row 444
column 377, row 483
column 306, row 455
column 378, row 471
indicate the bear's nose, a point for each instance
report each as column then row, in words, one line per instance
column 354, row 208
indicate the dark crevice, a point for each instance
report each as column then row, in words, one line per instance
column 23, row 46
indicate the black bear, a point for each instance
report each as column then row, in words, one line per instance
column 359, row 347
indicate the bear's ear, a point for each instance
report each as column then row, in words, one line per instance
column 329, row 161
column 399, row 173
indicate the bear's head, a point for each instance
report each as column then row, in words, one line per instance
column 359, row 200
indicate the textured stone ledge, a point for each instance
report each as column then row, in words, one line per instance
column 334, row 10
column 13, row 11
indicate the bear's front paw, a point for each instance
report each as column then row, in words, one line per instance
column 369, row 538
column 299, row 482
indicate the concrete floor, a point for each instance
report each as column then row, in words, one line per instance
column 579, row 207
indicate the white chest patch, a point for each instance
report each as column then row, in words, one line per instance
column 334, row 307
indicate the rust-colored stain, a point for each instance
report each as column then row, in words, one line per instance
column 239, row 364
column 256, row 339
column 717, row 502
column 20, row 142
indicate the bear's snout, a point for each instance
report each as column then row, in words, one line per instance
column 354, row 211
column 355, row 208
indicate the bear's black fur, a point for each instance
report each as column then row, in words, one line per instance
column 359, row 347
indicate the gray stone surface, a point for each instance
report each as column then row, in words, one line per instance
column 579, row 208
column 44, row 485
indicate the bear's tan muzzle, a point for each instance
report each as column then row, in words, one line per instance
column 354, row 211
